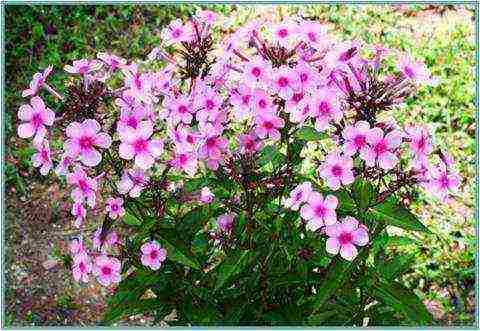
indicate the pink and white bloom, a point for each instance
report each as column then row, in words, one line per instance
column 207, row 104
column 308, row 77
column 180, row 110
column 442, row 182
column 206, row 195
column 284, row 33
column 185, row 161
column 176, row 32
column 42, row 158
column 415, row 71
column 153, row 255
column 267, row 125
column 312, row 33
column 319, row 211
column 133, row 182
column 82, row 267
column 112, row 61
column 85, row 188
column 114, row 207
column 136, row 143
column 107, row 269
column 355, row 137
column 225, row 223
column 108, row 241
column 131, row 118
column 249, row 143
column 381, row 148
column 83, row 66
column 37, row 82
column 213, row 146
column 298, row 196
column 285, row 82
column 242, row 100
column 326, row 109
column 83, row 138
column 420, row 144
column 63, row 166
column 262, row 103
column 77, row 246
column 337, row 170
column 79, row 212
column 256, row 71
column 345, row 236
column 206, row 16
column 34, row 118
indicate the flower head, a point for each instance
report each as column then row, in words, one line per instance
column 337, row 170
column 225, row 223
column 344, row 236
column 267, row 125
column 319, row 211
column 299, row 195
column 42, row 158
column 133, row 182
column 107, row 269
column 381, row 148
column 84, row 187
column 206, row 196
column 114, row 207
column 355, row 137
column 83, row 66
column 153, row 255
column 34, row 118
column 37, row 82
column 82, row 267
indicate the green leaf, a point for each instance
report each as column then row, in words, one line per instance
column 394, row 267
column 191, row 223
column 308, row 133
column 364, row 193
column 337, row 274
column 231, row 266
column 177, row 249
column 131, row 220
column 402, row 300
column 397, row 215
column 271, row 154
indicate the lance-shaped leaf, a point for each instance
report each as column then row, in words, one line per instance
column 231, row 266
column 177, row 250
column 397, row 215
column 308, row 133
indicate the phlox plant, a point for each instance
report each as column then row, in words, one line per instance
column 242, row 177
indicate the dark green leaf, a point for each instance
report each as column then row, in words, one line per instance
column 177, row 249
column 394, row 267
column 131, row 220
column 402, row 300
column 364, row 193
column 310, row 134
column 397, row 215
column 231, row 266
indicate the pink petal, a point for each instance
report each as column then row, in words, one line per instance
column 74, row 130
column 48, row 116
column 369, row 156
column 307, row 212
column 332, row 230
column 126, row 151
column 374, row 135
column 330, row 217
column 387, row 160
column 144, row 160
column 348, row 252
column 314, row 224
column 333, row 245
column 331, row 201
column 25, row 113
column 360, row 237
column 103, row 140
column 25, row 130
column 90, row 127
column 349, row 224
column 156, row 147
column 91, row 157
column 37, row 103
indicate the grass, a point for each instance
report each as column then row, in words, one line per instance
column 442, row 36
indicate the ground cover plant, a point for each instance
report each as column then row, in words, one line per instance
column 227, row 201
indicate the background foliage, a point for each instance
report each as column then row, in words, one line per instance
column 443, row 268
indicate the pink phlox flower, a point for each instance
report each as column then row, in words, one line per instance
column 176, row 32
column 420, row 143
column 284, row 33
column 114, row 207
column 249, row 143
column 82, row 140
column 133, row 182
column 212, row 145
column 442, row 182
column 415, row 71
column 37, row 82
column 337, row 170
column 308, row 77
column 110, row 239
column 183, row 138
column 131, row 118
column 208, row 104
column 312, row 33
column 285, row 82
column 298, row 196
column 225, row 223
column 34, row 118
column 180, row 109
column 79, row 212
column 257, row 71
column 136, row 143
column 83, row 66
column 319, row 211
column 242, row 100
column 206, row 16
column 111, row 60
column 206, row 195
column 267, row 125
column 262, row 103
column 355, row 137
column 153, row 255
column 326, row 109
column 345, row 236
column 381, row 148
column 300, row 111
column 77, row 246
column 85, row 187
column 107, row 269
column 42, row 159
column 139, row 85
column 82, row 267
column 184, row 160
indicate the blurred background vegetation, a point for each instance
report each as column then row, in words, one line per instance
column 443, row 272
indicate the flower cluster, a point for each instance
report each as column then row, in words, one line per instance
column 257, row 88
